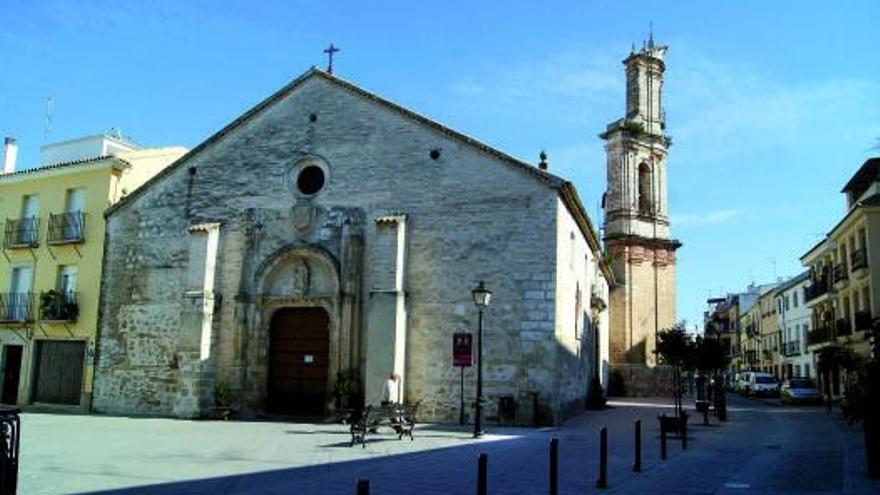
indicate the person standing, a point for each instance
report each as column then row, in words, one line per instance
column 391, row 390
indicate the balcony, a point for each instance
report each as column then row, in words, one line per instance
column 858, row 260
column 792, row 348
column 751, row 357
column 863, row 320
column 816, row 289
column 58, row 306
column 67, row 228
column 819, row 335
column 841, row 275
column 16, row 307
column 21, row 233
column 843, row 327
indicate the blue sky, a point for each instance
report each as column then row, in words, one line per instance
column 771, row 105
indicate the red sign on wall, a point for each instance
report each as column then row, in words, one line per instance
column 462, row 349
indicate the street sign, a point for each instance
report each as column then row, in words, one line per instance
column 462, row 350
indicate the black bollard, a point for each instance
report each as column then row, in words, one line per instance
column 637, row 465
column 723, row 400
column 483, row 474
column 602, row 482
column 663, row 437
column 554, row 466
column 684, row 434
column 363, row 487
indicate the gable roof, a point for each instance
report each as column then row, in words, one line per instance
column 95, row 162
column 566, row 189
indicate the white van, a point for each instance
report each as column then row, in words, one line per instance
column 740, row 381
column 761, row 384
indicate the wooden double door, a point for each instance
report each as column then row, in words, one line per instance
column 299, row 352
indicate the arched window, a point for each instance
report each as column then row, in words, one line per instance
column 645, row 196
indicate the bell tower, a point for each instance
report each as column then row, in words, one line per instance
column 637, row 213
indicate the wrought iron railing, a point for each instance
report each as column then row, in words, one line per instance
column 792, row 348
column 843, row 327
column 819, row 335
column 863, row 320
column 22, row 232
column 817, row 288
column 16, row 307
column 58, row 306
column 858, row 259
column 67, row 227
column 10, row 439
column 840, row 273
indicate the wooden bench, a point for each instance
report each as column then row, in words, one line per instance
column 400, row 417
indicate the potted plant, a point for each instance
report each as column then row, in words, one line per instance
column 341, row 391
column 225, row 401
column 675, row 349
column 58, row 306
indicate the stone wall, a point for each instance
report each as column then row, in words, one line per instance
column 471, row 217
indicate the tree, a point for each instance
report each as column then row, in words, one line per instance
column 675, row 347
column 862, row 396
column 709, row 355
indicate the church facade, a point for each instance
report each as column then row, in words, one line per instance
column 637, row 235
column 328, row 238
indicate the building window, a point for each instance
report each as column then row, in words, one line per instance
column 645, row 190
column 310, row 180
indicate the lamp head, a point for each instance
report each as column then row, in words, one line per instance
column 482, row 296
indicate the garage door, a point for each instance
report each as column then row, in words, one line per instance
column 59, row 372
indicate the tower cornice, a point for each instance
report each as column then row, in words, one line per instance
column 637, row 240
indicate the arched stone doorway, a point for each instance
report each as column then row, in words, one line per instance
column 292, row 283
column 299, row 361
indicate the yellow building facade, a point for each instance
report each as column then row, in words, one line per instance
column 50, row 273
column 842, row 293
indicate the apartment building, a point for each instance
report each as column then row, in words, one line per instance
column 53, row 241
column 793, row 321
column 842, row 291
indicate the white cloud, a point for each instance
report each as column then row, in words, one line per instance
column 705, row 218
column 721, row 109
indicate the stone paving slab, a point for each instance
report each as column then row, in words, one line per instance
column 763, row 449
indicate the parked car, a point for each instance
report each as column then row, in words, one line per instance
column 800, row 391
column 762, row 384
column 740, row 381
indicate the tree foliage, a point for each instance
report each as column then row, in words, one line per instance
column 675, row 346
column 709, row 355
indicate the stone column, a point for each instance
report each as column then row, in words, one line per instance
column 386, row 323
column 351, row 269
column 195, row 378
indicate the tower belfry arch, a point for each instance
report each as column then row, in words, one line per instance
column 636, row 220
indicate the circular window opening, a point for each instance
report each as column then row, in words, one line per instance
column 310, row 180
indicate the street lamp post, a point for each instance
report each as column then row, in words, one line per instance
column 481, row 296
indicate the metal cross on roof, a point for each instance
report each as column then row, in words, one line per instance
column 330, row 50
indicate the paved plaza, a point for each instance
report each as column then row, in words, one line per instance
column 763, row 449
